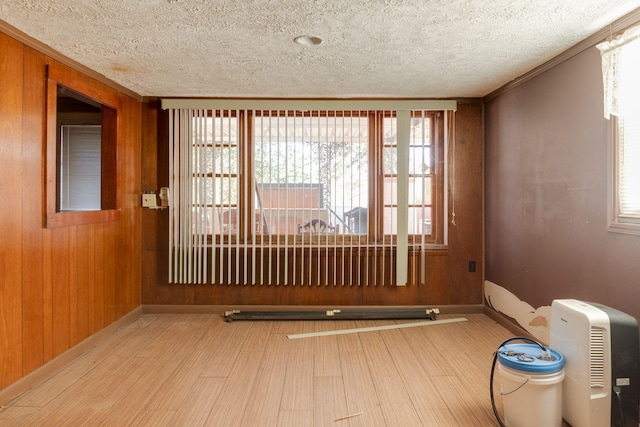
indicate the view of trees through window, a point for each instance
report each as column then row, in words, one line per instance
column 318, row 173
column 310, row 171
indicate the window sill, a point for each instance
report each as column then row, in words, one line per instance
column 624, row 228
column 66, row 219
column 431, row 248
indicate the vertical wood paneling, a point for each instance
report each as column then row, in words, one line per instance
column 109, row 159
column 47, row 293
column 84, row 282
column 58, row 285
column 32, row 207
column 131, row 235
column 436, row 289
column 91, row 285
column 119, row 261
column 109, row 255
column 135, row 288
column 11, row 76
column 122, row 269
column 73, row 286
column 150, row 219
column 467, row 197
column 60, row 295
column 98, row 258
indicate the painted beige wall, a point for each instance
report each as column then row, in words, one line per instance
column 547, row 178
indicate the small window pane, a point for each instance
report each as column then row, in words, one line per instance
column 420, row 159
column 390, row 216
column 390, row 191
column 419, row 221
column 390, row 159
column 419, row 191
column 226, row 159
column 226, row 191
column 311, row 172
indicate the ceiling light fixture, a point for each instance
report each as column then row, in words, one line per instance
column 308, row 40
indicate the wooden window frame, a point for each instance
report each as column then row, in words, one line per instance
column 110, row 142
column 375, row 204
column 618, row 222
column 437, row 176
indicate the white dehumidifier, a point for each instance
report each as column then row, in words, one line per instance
column 600, row 347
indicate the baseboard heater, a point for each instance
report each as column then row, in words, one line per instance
column 429, row 314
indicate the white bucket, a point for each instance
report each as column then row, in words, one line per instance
column 531, row 400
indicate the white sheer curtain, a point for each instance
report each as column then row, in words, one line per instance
column 620, row 57
column 621, row 78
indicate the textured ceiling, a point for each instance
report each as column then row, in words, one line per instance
column 371, row 48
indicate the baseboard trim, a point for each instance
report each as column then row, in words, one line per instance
column 221, row 309
column 507, row 322
column 45, row 371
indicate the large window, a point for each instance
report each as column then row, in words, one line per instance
column 324, row 173
column 621, row 68
column 289, row 192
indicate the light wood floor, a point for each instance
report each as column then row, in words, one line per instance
column 196, row 369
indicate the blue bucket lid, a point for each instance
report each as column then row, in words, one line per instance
column 527, row 358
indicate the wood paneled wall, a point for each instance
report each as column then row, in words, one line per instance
column 448, row 280
column 59, row 285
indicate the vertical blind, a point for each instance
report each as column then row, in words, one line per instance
column 298, row 195
column 80, row 163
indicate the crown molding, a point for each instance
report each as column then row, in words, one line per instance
column 47, row 50
column 621, row 24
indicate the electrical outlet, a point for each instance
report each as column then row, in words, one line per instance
column 472, row 266
column 149, row 200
